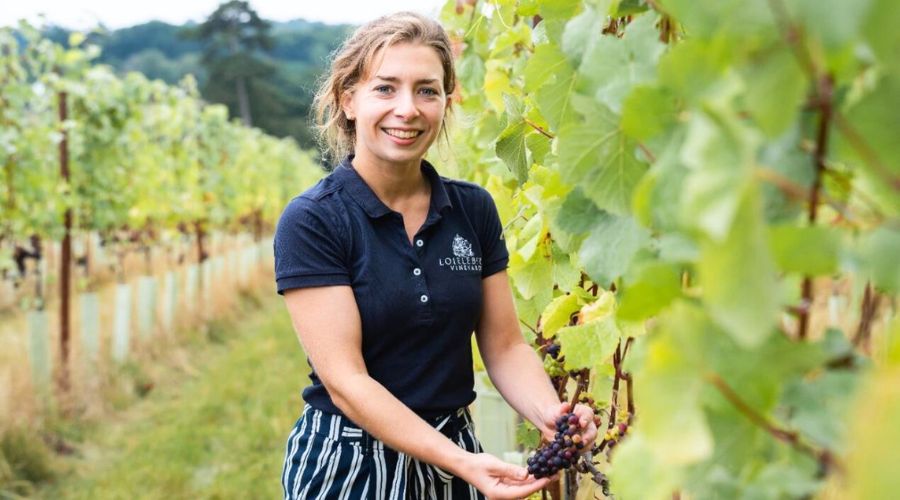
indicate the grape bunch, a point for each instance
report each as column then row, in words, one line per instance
column 553, row 350
column 562, row 452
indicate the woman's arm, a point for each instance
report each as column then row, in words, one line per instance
column 328, row 325
column 515, row 369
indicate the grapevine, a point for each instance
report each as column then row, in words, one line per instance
column 680, row 184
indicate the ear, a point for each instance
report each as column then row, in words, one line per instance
column 347, row 105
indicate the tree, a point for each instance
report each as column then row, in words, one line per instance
column 235, row 35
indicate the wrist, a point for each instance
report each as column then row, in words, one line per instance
column 456, row 461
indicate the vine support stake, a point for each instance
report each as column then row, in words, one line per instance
column 66, row 251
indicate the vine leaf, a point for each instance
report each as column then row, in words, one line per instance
column 738, row 277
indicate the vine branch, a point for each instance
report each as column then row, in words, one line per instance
column 824, row 94
column 797, row 192
column 868, row 310
column 824, row 456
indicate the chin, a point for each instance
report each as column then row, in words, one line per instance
column 403, row 156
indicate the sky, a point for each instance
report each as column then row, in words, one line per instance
column 86, row 14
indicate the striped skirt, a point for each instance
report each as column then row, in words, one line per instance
column 329, row 457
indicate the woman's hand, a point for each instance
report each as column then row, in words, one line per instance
column 585, row 419
column 499, row 480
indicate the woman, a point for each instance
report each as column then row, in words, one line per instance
column 386, row 269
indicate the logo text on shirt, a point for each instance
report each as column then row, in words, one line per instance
column 464, row 258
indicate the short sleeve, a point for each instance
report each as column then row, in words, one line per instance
column 495, row 256
column 308, row 247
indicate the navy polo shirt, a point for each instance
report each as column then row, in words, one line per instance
column 419, row 302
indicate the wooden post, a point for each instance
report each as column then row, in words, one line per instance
column 66, row 258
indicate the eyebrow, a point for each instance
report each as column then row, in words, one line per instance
column 394, row 79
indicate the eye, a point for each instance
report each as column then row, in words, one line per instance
column 429, row 91
column 383, row 89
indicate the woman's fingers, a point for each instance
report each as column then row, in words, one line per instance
column 586, row 419
column 501, row 480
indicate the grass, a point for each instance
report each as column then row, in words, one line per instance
column 218, row 433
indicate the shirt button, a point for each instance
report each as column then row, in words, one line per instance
column 417, row 271
column 424, row 298
column 419, row 243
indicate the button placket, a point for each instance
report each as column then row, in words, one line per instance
column 417, row 271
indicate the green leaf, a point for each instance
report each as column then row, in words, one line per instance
column 612, row 243
column 669, row 400
column 554, row 94
column 878, row 253
column 539, row 145
column 511, row 149
column 656, row 286
column 578, row 213
column 559, row 9
column 589, row 344
column 631, row 7
column 597, row 157
column 531, row 276
column 776, row 88
column 720, row 151
column 566, row 269
column 812, row 251
column 638, row 472
column 831, row 23
column 527, row 435
column 676, row 247
column 881, row 33
column 612, row 66
column 581, row 33
column 818, row 407
column 784, row 157
column 872, row 144
column 738, row 277
column 646, row 112
column 545, row 66
column 692, row 67
column 733, row 18
column 558, row 312
column 873, row 456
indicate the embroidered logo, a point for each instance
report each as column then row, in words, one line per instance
column 463, row 259
column 461, row 247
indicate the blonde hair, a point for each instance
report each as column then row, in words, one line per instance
column 351, row 62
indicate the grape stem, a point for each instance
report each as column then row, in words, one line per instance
column 538, row 128
column 533, row 330
column 587, row 460
column 582, row 383
column 824, row 456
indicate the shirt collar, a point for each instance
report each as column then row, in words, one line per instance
column 374, row 207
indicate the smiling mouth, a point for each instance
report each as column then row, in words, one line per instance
column 402, row 134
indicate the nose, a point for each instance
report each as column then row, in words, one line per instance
column 406, row 106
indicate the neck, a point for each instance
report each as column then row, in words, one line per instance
column 393, row 183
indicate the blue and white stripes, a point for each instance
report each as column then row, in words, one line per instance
column 327, row 457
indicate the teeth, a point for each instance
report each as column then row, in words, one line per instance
column 402, row 134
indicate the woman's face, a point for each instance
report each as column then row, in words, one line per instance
column 399, row 106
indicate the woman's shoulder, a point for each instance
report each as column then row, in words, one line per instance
column 470, row 194
column 320, row 201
